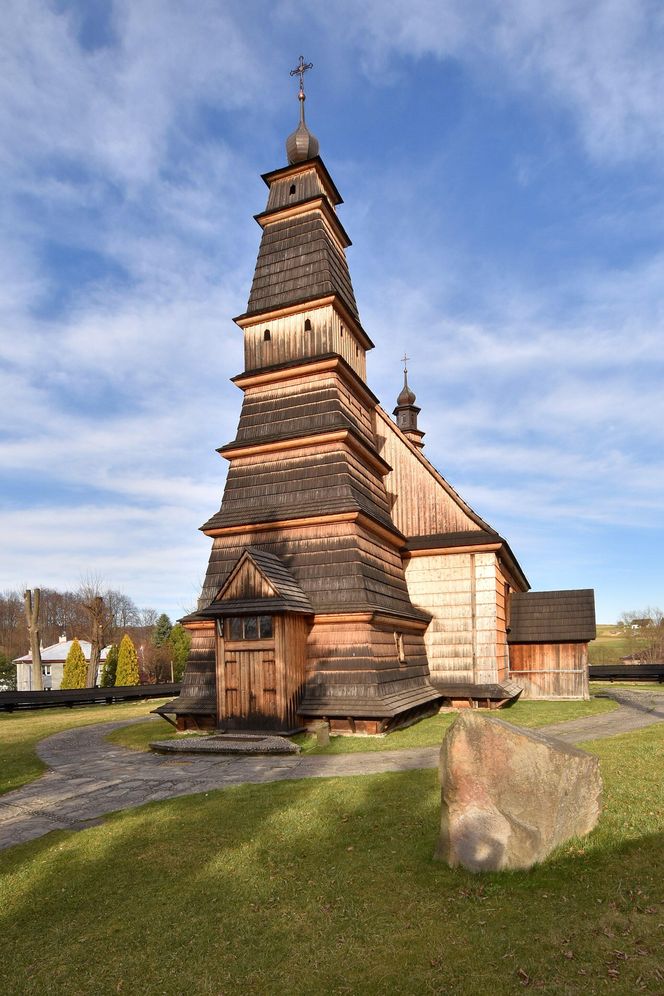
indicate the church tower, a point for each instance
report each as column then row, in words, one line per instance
column 407, row 411
column 305, row 612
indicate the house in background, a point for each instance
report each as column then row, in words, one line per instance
column 53, row 662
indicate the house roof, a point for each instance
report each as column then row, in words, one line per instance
column 57, row 652
column 552, row 616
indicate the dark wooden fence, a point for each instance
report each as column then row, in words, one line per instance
column 85, row 696
column 626, row 672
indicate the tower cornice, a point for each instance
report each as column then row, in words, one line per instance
column 315, row 203
column 234, row 451
column 292, row 369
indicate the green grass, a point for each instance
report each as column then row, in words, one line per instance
column 329, row 885
column 139, row 736
column 633, row 686
column 427, row 733
column 21, row 731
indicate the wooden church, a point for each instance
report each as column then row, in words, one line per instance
column 347, row 581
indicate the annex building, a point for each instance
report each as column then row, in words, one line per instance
column 347, row 579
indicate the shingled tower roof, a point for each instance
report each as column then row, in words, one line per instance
column 302, row 252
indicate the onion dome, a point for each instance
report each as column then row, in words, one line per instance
column 407, row 397
column 301, row 144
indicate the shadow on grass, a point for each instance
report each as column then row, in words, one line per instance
column 329, row 885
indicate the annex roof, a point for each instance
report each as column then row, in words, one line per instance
column 552, row 616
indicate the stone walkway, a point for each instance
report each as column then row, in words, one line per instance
column 90, row 777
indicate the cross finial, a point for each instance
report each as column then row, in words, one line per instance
column 300, row 70
column 404, row 360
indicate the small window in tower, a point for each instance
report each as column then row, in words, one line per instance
column 307, row 325
column 266, row 335
column 341, row 330
column 357, row 350
column 398, row 643
column 292, row 189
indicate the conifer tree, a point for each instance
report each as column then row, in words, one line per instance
column 75, row 671
column 110, row 668
column 127, row 669
column 162, row 630
column 180, row 641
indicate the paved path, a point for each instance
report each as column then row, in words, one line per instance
column 89, row 777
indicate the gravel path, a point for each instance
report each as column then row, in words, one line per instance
column 89, row 777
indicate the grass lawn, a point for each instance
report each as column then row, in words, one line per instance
column 20, row 732
column 328, row 886
column 427, row 733
column 632, row 686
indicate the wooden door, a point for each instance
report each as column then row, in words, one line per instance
column 249, row 687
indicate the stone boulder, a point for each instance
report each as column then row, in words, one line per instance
column 510, row 796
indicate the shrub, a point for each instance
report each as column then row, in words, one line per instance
column 109, row 668
column 127, row 669
column 75, row 672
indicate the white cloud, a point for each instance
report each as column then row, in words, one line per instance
column 600, row 60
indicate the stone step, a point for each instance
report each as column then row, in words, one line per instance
column 225, row 743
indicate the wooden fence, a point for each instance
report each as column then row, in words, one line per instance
column 9, row 701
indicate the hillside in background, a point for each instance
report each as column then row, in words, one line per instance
column 614, row 642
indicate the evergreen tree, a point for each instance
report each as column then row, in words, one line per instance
column 180, row 642
column 7, row 674
column 127, row 668
column 162, row 630
column 110, row 668
column 75, row 671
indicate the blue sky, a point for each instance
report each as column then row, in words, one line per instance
column 501, row 166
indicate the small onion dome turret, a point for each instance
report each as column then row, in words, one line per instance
column 407, row 397
column 301, row 144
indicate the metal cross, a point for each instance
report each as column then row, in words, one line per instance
column 404, row 360
column 301, row 70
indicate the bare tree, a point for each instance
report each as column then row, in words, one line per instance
column 95, row 609
column 92, row 598
column 31, row 603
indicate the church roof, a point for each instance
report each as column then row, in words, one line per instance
column 552, row 616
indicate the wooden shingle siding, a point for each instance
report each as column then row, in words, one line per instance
column 298, row 259
column 337, row 567
column 198, row 692
column 320, row 403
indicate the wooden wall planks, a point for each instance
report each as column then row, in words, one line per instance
column 550, row 671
